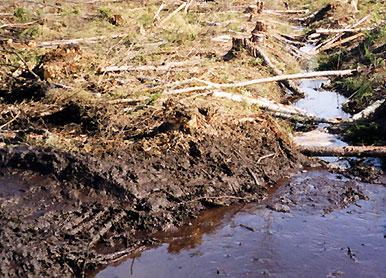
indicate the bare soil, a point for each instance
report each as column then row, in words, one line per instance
column 92, row 164
column 66, row 207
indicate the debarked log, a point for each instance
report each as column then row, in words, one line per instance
column 90, row 40
column 344, row 30
column 307, row 75
column 164, row 67
column 275, row 109
column 348, row 151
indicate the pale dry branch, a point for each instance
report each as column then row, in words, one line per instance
column 166, row 67
column 348, row 151
column 307, row 75
column 168, row 17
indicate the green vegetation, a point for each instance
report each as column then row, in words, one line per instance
column 30, row 33
column 22, row 14
column 360, row 87
column 104, row 12
column 365, row 133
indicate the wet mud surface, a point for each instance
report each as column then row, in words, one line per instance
column 64, row 214
column 85, row 184
column 318, row 224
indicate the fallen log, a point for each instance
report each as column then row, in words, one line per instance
column 89, row 40
column 380, row 49
column 343, row 41
column 316, row 16
column 368, row 111
column 285, row 40
column 349, row 151
column 275, row 109
column 287, row 11
column 165, row 67
column 344, row 30
column 19, row 25
column 287, row 83
column 338, row 36
column 308, row 75
column 296, row 38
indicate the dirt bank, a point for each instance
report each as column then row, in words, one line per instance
column 57, row 215
column 99, row 149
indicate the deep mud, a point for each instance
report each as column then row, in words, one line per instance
column 318, row 224
column 86, row 179
column 60, row 212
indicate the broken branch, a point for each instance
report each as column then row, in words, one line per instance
column 338, row 31
column 90, row 40
column 165, row 67
column 167, row 18
column 349, row 151
column 308, row 75
column 346, row 40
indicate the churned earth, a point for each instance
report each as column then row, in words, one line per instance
column 101, row 154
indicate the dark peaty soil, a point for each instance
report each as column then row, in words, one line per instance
column 60, row 212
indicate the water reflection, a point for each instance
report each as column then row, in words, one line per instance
column 302, row 243
column 323, row 103
column 191, row 235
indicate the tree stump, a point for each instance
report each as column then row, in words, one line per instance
column 258, row 34
column 259, row 6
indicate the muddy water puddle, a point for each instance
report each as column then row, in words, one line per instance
column 321, row 102
column 332, row 227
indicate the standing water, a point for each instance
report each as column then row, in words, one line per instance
column 319, row 224
column 316, row 234
column 320, row 102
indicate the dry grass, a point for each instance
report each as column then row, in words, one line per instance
column 184, row 37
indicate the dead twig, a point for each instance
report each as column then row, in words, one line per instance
column 188, row 6
column 23, row 61
column 165, row 67
column 264, row 157
column 156, row 15
column 12, row 120
column 215, row 198
column 127, row 100
column 167, row 18
column 247, row 227
column 253, row 177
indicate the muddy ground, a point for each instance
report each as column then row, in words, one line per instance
column 59, row 209
column 316, row 223
column 92, row 165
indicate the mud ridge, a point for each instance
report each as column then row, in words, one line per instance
column 68, row 209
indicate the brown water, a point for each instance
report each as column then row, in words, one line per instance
column 316, row 238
